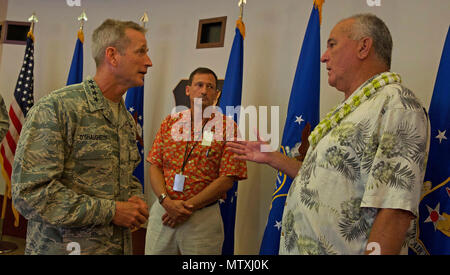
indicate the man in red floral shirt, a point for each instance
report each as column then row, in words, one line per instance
column 191, row 169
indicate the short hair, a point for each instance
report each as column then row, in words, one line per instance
column 201, row 70
column 111, row 33
column 372, row 26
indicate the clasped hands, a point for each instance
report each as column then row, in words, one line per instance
column 131, row 214
column 177, row 212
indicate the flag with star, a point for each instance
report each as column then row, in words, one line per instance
column 303, row 109
column 76, row 68
column 134, row 103
column 231, row 96
column 433, row 223
column 22, row 102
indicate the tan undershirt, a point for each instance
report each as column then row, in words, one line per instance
column 114, row 108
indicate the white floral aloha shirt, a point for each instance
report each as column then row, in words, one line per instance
column 374, row 158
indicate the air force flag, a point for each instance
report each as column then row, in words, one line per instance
column 433, row 224
column 303, row 108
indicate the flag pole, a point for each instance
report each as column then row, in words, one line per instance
column 33, row 19
column 5, row 246
column 82, row 18
column 241, row 5
column 144, row 19
column 231, row 95
column 76, row 67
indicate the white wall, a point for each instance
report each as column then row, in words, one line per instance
column 275, row 31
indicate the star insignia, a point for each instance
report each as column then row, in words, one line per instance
column 441, row 136
column 299, row 119
column 278, row 225
column 434, row 216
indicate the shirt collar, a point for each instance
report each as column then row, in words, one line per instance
column 94, row 95
column 97, row 101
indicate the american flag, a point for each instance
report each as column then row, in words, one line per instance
column 21, row 104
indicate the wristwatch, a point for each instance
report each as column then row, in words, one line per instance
column 162, row 197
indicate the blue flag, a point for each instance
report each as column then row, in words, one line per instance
column 134, row 103
column 231, row 96
column 76, row 68
column 303, row 108
column 434, row 209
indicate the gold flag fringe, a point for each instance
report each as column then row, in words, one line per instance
column 81, row 35
column 241, row 26
column 318, row 5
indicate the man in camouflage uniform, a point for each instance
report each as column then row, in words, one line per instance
column 72, row 175
column 4, row 120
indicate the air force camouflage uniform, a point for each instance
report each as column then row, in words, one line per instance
column 73, row 161
column 4, row 120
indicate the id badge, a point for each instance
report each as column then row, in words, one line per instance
column 207, row 138
column 178, row 183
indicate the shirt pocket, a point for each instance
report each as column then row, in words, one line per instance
column 209, row 159
column 93, row 166
column 134, row 157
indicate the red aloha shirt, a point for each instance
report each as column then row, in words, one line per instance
column 205, row 163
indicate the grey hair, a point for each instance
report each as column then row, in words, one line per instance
column 111, row 33
column 369, row 25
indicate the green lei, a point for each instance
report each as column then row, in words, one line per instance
column 334, row 117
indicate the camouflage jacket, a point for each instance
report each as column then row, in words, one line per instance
column 4, row 120
column 73, row 161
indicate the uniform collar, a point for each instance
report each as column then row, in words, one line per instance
column 97, row 101
column 94, row 95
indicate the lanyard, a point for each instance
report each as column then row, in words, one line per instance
column 185, row 159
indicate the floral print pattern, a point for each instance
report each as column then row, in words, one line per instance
column 373, row 158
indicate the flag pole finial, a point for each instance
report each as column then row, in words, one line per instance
column 241, row 5
column 82, row 18
column 33, row 19
column 144, row 19
column 239, row 23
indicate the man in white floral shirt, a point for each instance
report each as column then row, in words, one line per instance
column 358, row 189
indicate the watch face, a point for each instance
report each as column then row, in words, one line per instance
column 162, row 197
